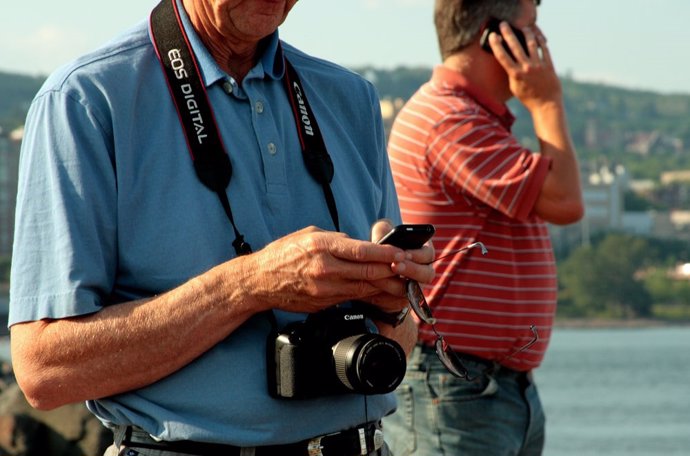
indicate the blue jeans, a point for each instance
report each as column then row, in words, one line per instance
column 497, row 413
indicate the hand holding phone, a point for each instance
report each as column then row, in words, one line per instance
column 493, row 26
column 409, row 237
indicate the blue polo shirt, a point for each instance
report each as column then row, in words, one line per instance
column 110, row 210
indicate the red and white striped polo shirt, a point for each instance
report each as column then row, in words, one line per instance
column 457, row 166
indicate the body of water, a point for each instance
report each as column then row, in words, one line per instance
column 611, row 392
column 4, row 341
column 615, row 392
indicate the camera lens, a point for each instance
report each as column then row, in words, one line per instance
column 369, row 363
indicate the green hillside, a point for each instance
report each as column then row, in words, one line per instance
column 646, row 131
column 16, row 92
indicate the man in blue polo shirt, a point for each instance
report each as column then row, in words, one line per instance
column 126, row 290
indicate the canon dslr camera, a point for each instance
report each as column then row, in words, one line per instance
column 332, row 352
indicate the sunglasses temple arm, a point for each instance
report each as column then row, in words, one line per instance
column 467, row 247
column 533, row 341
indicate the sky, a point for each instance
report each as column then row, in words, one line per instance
column 629, row 43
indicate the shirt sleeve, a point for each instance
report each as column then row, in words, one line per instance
column 486, row 164
column 65, row 233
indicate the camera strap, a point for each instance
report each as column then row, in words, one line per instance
column 211, row 161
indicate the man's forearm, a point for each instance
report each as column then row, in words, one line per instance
column 560, row 200
column 124, row 346
column 405, row 334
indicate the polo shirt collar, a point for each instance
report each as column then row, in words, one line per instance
column 450, row 79
column 269, row 65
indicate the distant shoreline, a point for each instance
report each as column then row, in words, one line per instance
column 602, row 323
column 563, row 322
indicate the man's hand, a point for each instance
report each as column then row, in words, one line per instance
column 532, row 79
column 312, row 269
column 417, row 266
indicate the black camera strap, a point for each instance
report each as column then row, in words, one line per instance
column 211, row 162
column 314, row 152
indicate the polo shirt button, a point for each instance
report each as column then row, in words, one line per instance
column 272, row 149
column 227, row 86
column 259, row 107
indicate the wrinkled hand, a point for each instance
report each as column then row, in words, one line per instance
column 312, row 269
column 533, row 79
column 416, row 266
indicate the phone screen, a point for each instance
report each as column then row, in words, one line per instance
column 493, row 26
column 409, row 236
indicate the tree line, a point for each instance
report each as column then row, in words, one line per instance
column 625, row 276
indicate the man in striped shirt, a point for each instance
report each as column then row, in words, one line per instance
column 457, row 166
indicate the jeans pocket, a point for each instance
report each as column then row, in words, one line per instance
column 453, row 389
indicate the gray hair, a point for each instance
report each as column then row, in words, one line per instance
column 459, row 22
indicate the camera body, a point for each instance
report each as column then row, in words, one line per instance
column 332, row 352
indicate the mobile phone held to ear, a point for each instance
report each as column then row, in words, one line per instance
column 409, row 237
column 494, row 26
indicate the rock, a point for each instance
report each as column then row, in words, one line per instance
column 70, row 430
column 23, row 435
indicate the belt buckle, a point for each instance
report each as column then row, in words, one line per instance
column 314, row 447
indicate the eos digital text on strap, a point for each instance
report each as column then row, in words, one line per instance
column 211, row 161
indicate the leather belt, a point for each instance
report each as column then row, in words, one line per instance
column 487, row 363
column 364, row 440
column 489, row 366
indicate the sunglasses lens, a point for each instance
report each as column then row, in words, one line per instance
column 418, row 302
column 450, row 359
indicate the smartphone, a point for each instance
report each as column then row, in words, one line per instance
column 493, row 26
column 408, row 237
